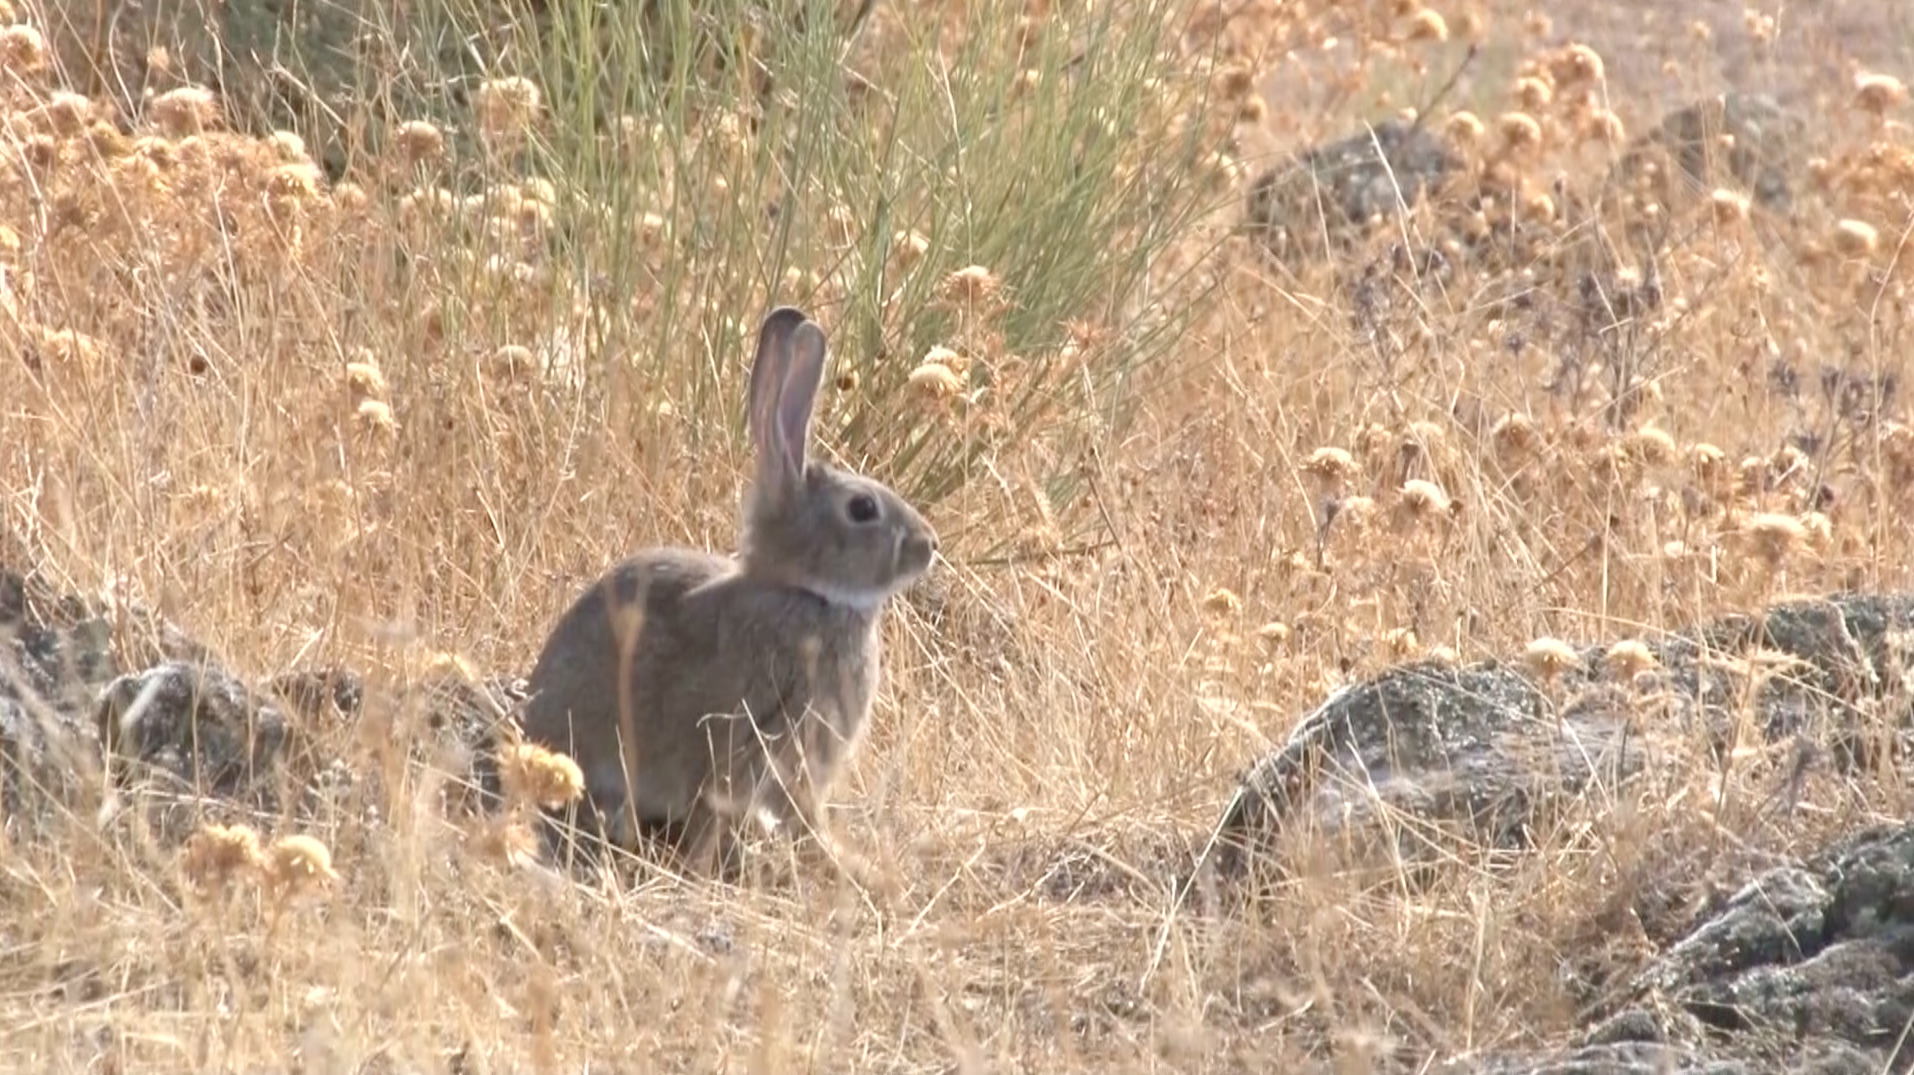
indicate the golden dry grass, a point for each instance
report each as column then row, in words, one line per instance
column 226, row 400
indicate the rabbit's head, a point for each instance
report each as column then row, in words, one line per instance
column 840, row 536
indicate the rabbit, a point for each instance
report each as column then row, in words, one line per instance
column 733, row 689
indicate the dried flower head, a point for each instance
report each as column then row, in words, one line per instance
column 294, row 862
column 1548, row 658
column 908, row 249
column 1331, row 466
column 1602, row 125
column 1730, row 207
column 375, row 415
column 1274, row 633
column 529, row 773
column 1856, row 238
column 1514, row 435
column 1576, row 64
column 1625, row 659
column 507, row 107
column 1428, row 25
column 67, row 113
column 1222, row 602
column 511, row 364
column 936, row 380
column 1534, row 94
column 420, row 142
column 505, row 838
column 23, row 50
column 1897, row 451
column 364, row 379
column 1465, row 128
column 1652, row 446
column 297, row 183
column 970, row 285
column 1772, row 537
column 185, row 111
column 1424, row 499
column 1519, row 130
column 1876, row 93
column 946, row 357
column 217, row 853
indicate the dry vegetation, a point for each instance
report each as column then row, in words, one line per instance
column 393, row 421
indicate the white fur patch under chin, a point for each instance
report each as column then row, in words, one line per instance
column 854, row 598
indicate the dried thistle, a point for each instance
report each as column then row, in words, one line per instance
column 1875, row 93
column 375, row 415
column 1222, row 602
column 1548, row 658
column 1652, row 446
column 1514, row 436
column 1331, row 467
column 294, row 863
column 936, row 380
column 532, row 774
column 504, row 838
column 1465, row 128
column 1425, row 499
column 216, row 854
column 908, row 249
column 971, row 285
column 1772, row 537
column 1428, row 25
column 1627, row 658
column 1602, row 125
column 1856, row 238
column 1519, row 130
column 364, row 379
column 1576, row 64
column 23, row 50
column 1534, row 94
column 507, row 107
column 1730, row 207
column 185, row 111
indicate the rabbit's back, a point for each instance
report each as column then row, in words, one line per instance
column 574, row 689
column 722, row 665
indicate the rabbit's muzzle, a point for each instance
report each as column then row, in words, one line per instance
column 914, row 551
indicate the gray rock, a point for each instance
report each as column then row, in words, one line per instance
column 1486, row 749
column 1340, row 188
column 1809, row 968
column 194, row 722
column 1744, row 140
column 187, row 727
column 55, row 654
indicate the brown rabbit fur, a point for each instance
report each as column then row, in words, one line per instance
column 698, row 692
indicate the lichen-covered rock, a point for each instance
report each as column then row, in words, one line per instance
column 55, row 654
column 1340, row 188
column 195, row 722
column 1808, row 968
column 1488, row 749
column 1733, row 139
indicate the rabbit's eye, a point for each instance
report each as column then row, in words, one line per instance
column 862, row 508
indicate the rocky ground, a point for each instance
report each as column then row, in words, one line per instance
column 1805, row 966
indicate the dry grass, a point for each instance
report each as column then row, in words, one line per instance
column 355, row 423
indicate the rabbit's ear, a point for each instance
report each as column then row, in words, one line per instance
column 767, row 384
column 803, row 373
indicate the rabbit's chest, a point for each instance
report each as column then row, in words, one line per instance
column 834, row 694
